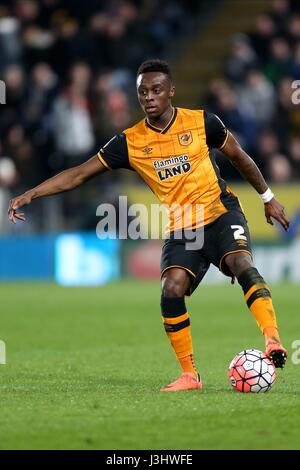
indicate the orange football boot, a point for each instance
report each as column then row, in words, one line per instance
column 186, row 381
column 277, row 353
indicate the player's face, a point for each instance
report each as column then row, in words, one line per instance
column 154, row 91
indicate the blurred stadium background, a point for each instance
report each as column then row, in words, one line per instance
column 69, row 69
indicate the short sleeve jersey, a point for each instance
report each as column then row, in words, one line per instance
column 177, row 164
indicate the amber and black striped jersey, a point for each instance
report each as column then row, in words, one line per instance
column 177, row 163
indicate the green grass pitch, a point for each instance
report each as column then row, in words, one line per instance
column 84, row 367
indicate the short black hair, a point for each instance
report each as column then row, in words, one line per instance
column 155, row 65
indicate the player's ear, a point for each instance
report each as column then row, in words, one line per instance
column 172, row 92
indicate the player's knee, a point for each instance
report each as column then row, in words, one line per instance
column 175, row 282
column 238, row 263
column 172, row 288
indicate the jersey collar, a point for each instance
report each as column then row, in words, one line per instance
column 170, row 123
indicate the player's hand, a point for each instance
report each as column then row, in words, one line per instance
column 15, row 204
column 276, row 210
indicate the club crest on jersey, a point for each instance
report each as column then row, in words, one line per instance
column 173, row 166
column 185, row 138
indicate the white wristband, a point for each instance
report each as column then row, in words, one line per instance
column 267, row 196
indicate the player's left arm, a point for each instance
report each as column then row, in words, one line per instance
column 248, row 169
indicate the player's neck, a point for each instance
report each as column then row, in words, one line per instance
column 163, row 120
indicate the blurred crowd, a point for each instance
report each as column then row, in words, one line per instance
column 257, row 98
column 69, row 67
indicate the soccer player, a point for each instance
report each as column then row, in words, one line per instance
column 171, row 150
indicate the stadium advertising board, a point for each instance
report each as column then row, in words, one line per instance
column 82, row 259
column 252, row 205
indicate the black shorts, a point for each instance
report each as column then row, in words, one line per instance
column 228, row 234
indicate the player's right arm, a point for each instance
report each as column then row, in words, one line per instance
column 64, row 181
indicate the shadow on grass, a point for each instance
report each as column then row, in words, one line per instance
column 51, row 383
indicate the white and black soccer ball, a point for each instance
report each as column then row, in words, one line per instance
column 251, row 371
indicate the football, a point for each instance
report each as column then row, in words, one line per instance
column 251, row 371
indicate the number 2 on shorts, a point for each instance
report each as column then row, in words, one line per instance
column 238, row 232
